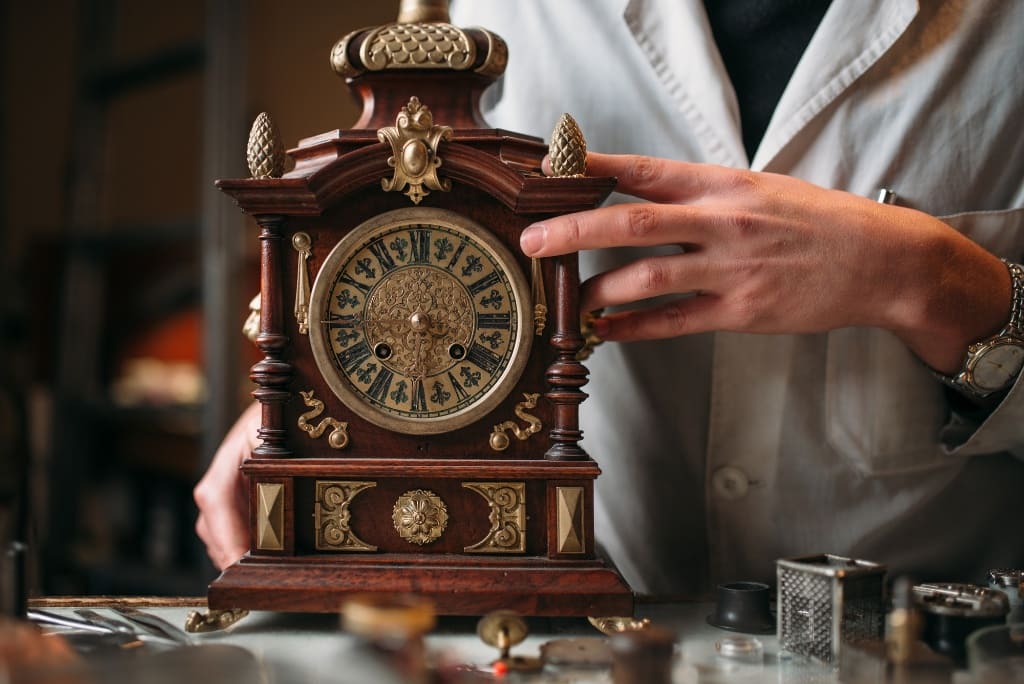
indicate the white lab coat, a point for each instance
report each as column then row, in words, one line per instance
column 724, row 452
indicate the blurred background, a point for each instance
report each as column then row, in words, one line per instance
column 125, row 276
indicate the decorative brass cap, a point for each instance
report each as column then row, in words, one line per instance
column 422, row 38
column 265, row 153
column 568, row 149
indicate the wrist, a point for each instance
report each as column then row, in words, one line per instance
column 957, row 294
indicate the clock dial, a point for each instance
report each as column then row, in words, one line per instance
column 997, row 368
column 420, row 321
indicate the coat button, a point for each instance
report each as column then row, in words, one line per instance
column 730, row 483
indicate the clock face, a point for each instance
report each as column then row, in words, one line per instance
column 997, row 367
column 420, row 321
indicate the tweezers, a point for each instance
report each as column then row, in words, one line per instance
column 153, row 624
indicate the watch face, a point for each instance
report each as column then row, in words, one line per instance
column 997, row 367
column 419, row 321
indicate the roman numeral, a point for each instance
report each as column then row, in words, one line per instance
column 460, row 391
column 419, row 397
column 381, row 384
column 483, row 358
column 353, row 356
column 384, row 257
column 494, row 320
column 420, row 240
column 455, row 257
column 484, row 283
column 342, row 321
column 349, row 280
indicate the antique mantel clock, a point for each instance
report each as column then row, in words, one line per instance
column 420, row 386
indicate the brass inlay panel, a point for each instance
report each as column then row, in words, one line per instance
column 303, row 245
column 569, row 503
column 414, row 141
column 507, row 502
column 332, row 516
column 499, row 441
column 338, row 439
column 420, row 516
column 269, row 516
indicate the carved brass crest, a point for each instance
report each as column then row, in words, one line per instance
column 414, row 141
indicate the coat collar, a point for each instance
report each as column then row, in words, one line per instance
column 676, row 38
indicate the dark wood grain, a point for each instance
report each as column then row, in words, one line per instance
column 534, row 587
column 272, row 374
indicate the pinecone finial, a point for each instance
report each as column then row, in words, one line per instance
column 265, row 153
column 568, row 149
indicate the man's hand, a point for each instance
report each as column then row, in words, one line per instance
column 766, row 253
column 223, row 494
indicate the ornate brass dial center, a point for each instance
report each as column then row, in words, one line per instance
column 419, row 321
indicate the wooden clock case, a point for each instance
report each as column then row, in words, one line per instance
column 519, row 532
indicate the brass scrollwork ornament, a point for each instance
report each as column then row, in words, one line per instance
column 212, row 620
column 414, row 141
column 500, row 441
column 338, row 439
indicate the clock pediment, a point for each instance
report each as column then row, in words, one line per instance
column 478, row 162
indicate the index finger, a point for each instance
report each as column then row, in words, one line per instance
column 655, row 179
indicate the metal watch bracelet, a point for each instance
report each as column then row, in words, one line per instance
column 1014, row 329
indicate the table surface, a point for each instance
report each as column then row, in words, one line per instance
column 289, row 647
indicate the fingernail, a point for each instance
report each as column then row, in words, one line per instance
column 532, row 239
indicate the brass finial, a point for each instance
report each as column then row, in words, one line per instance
column 265, row 153
column 423, row 11
column 568, row 149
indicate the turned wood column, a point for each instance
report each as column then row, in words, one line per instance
column 272, row 374
column 566, row 375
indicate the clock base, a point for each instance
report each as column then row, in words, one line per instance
column 529, row 586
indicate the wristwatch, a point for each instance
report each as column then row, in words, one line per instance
column 993, row 364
